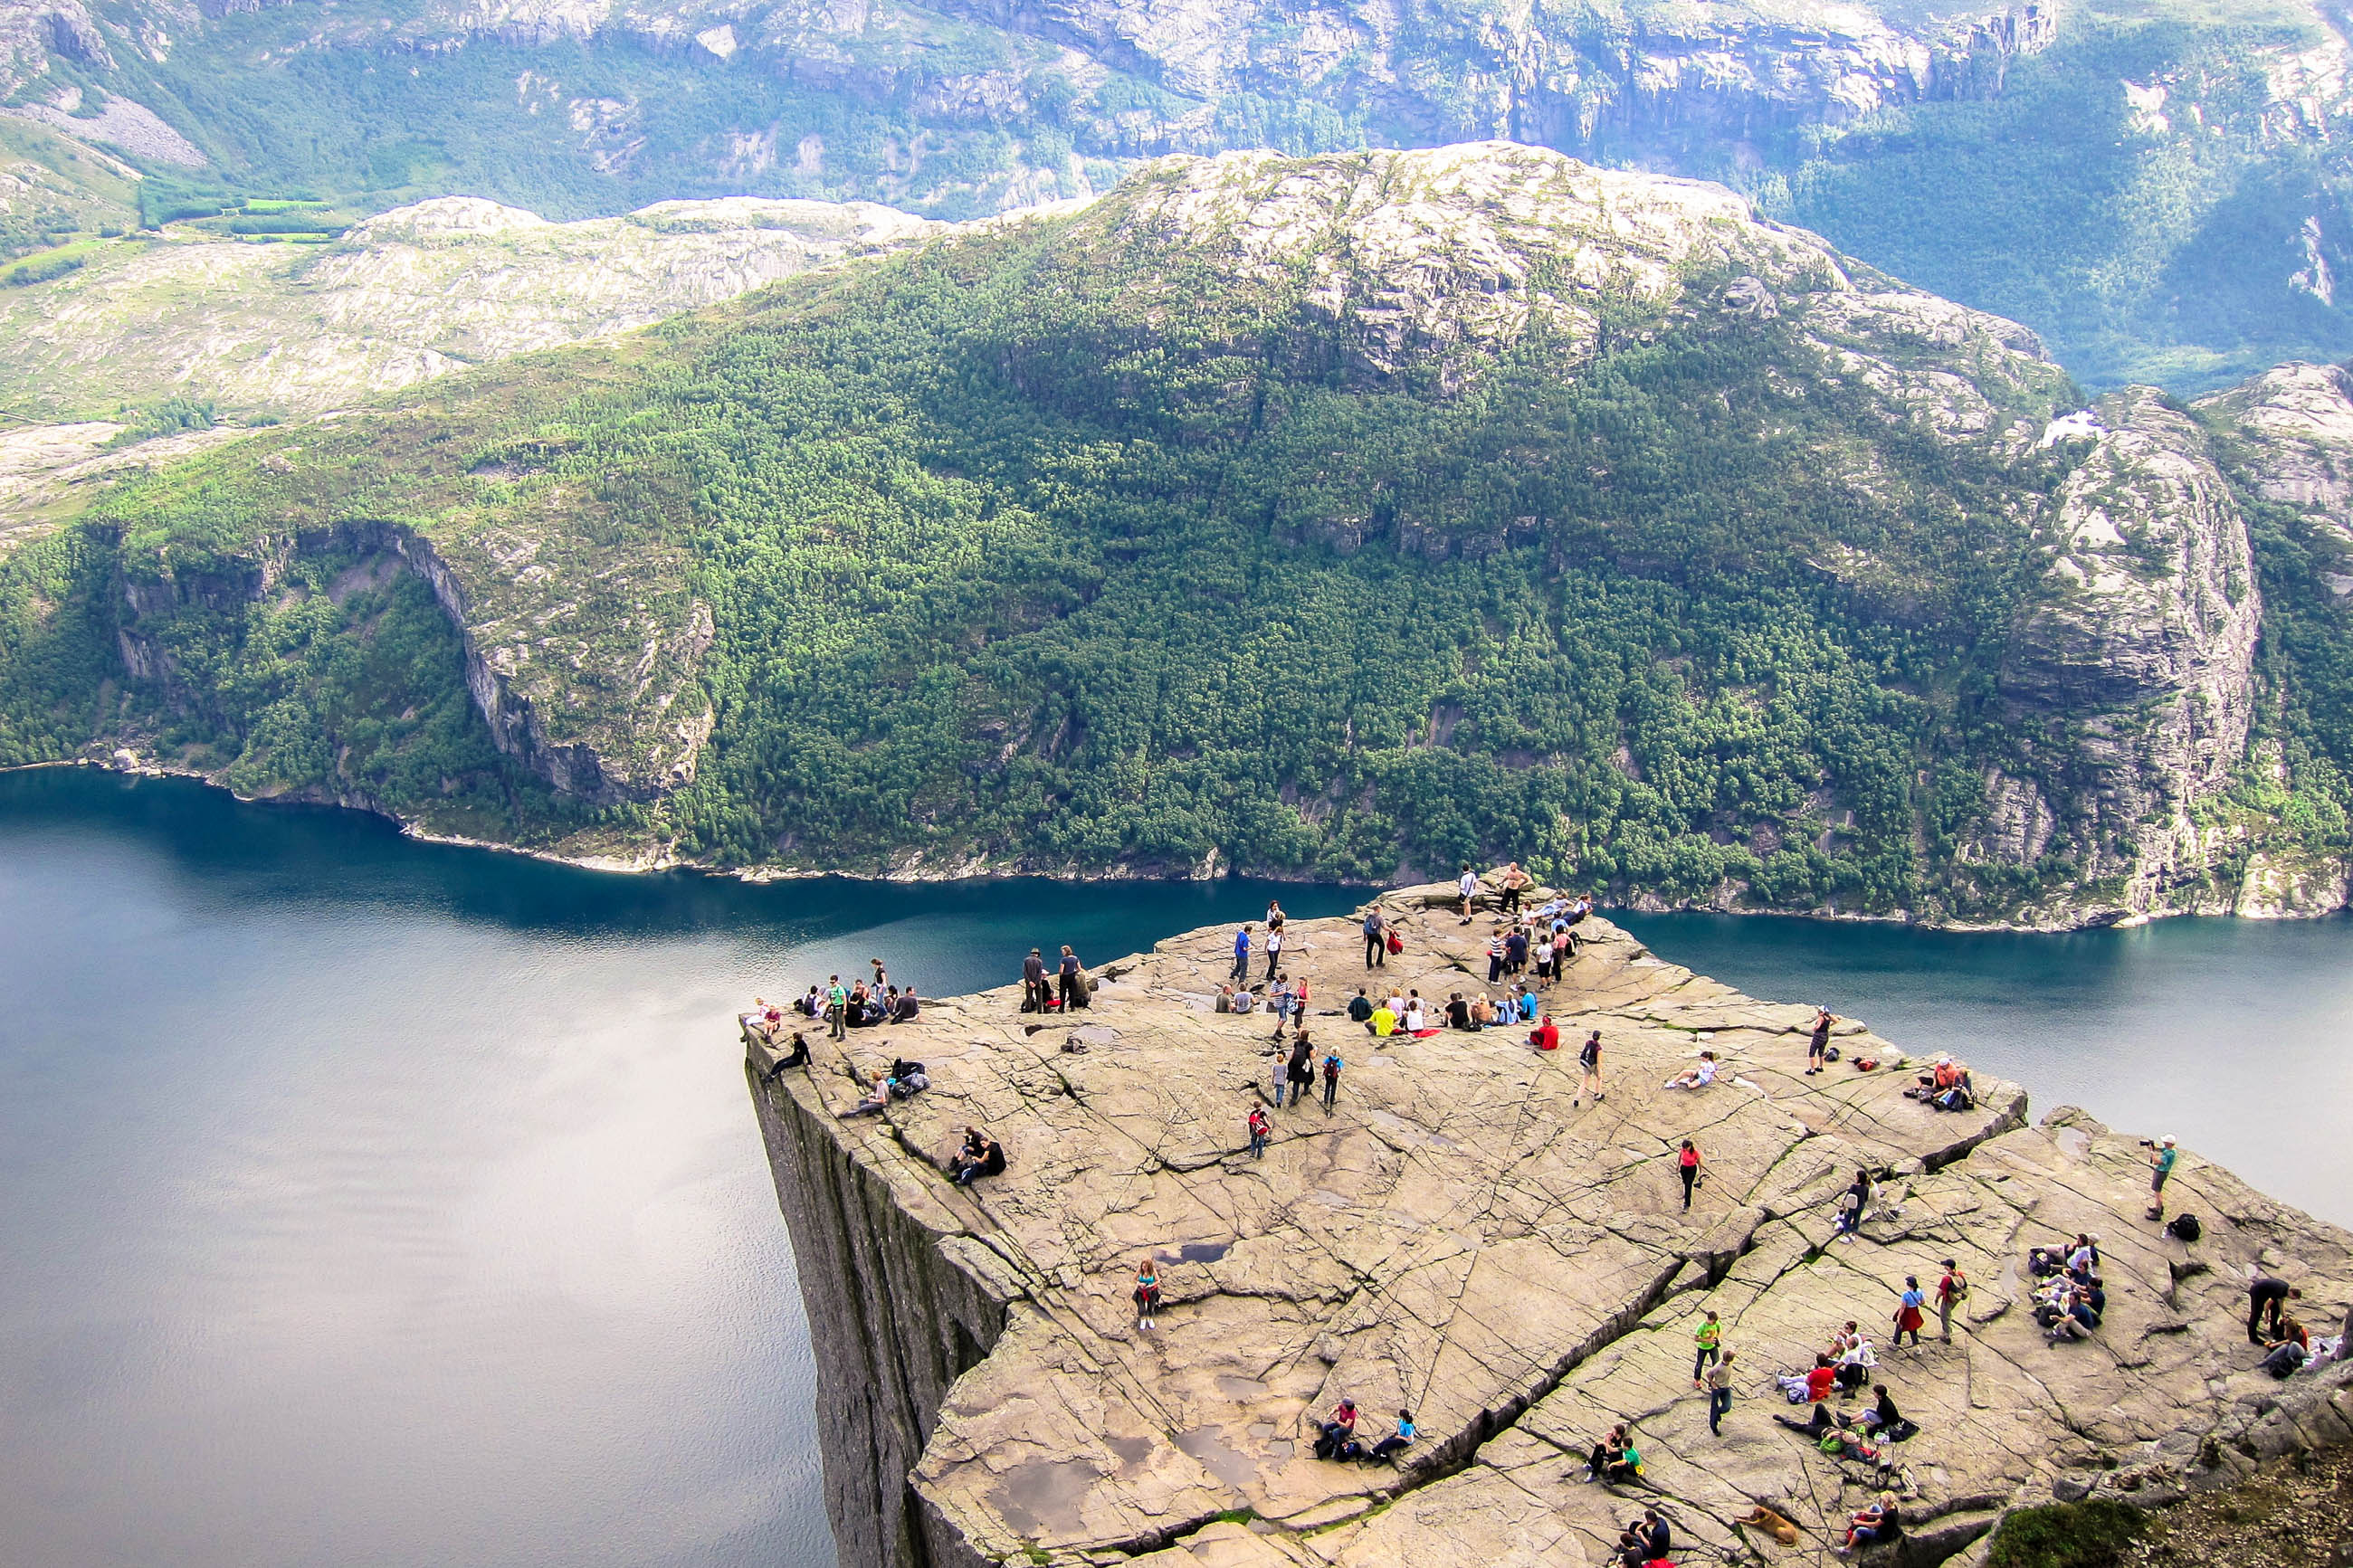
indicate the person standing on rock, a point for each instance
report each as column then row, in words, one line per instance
column 2161, row 1167
column 1332, row 1065
column 1588, row 1063
column 1909, row 1315
column 836, row 1008
column 1376, row 939
column 1073, row 988
column 1688, row 1162
column 1469, row 884
column 1719, row 1393
column 1241, row 954
column 1817, row 1047
column 1951, row 1291
column 1273, row 952
column 1302, row 1070
column 1282, row 1075
column 1707, row 1338
column 1258, row 1128
column 1033, row 982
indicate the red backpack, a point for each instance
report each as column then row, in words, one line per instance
column 1396, row 942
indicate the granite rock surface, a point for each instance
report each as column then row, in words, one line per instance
column 1465, row 1235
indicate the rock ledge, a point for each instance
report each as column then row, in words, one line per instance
column 1458, row 1236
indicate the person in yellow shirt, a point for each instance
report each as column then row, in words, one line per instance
column 1385, row 1023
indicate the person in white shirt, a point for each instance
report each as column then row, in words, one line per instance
column 1470, row 885
column 1698, row 1076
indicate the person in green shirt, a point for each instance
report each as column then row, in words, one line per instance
column 1709, row 1337
column 2161, row 1164
column 837, row 1006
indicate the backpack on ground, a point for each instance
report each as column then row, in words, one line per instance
column 2184, row 1227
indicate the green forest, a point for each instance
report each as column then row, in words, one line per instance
column 1056, row 552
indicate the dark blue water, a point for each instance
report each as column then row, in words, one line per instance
column 370, row 1202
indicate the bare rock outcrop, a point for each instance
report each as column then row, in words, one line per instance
column 1461, row 1234
column 2142, row 644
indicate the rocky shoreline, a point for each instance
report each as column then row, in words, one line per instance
column 977, row 871
column 1458, row 1236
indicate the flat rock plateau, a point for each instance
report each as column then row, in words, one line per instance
column 1460, row 1236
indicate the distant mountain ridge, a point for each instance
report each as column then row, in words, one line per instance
column 2156, row 185
column 1344, row 516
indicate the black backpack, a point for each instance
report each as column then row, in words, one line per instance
column 2184, row 1227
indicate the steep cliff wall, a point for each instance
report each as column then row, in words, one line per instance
column 1454, row 1237
column 902, row 1302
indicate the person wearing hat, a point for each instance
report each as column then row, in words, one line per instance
column 2161, row 1163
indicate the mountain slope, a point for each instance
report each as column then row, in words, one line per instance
column 411, row 293
column 1345, row 516
column 2158, row 186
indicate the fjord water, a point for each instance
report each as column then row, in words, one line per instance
column 371, row 1202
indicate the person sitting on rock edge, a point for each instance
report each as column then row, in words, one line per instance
column 1396, row 1442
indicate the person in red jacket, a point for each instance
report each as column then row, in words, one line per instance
column 1548, row 1036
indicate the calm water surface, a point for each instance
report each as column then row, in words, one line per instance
column 368, row 1202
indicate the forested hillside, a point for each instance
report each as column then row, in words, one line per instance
column 1339, row 516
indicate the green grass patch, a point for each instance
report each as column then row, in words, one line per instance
column 42, row 266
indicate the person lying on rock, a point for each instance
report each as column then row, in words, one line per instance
column 1698, row 1076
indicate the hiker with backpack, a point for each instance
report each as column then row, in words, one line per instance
column 1332, row 1065
column 1258, row 1128
column 1302, row 1071
column 1588, row 1062
column 1951, row 1291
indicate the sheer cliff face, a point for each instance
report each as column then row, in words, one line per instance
column 1455, row 1237
column 2142, row 647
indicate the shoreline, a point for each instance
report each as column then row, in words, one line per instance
column 979, row 871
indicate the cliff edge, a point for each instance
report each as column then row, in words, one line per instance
column 1462, row 1237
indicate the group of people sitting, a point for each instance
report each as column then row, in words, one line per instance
column 979, row 1155
column 2071, row 1299
column 863, row 1005
column 1946, row 1085
column 1615, row 1461
column 1338, row 1439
